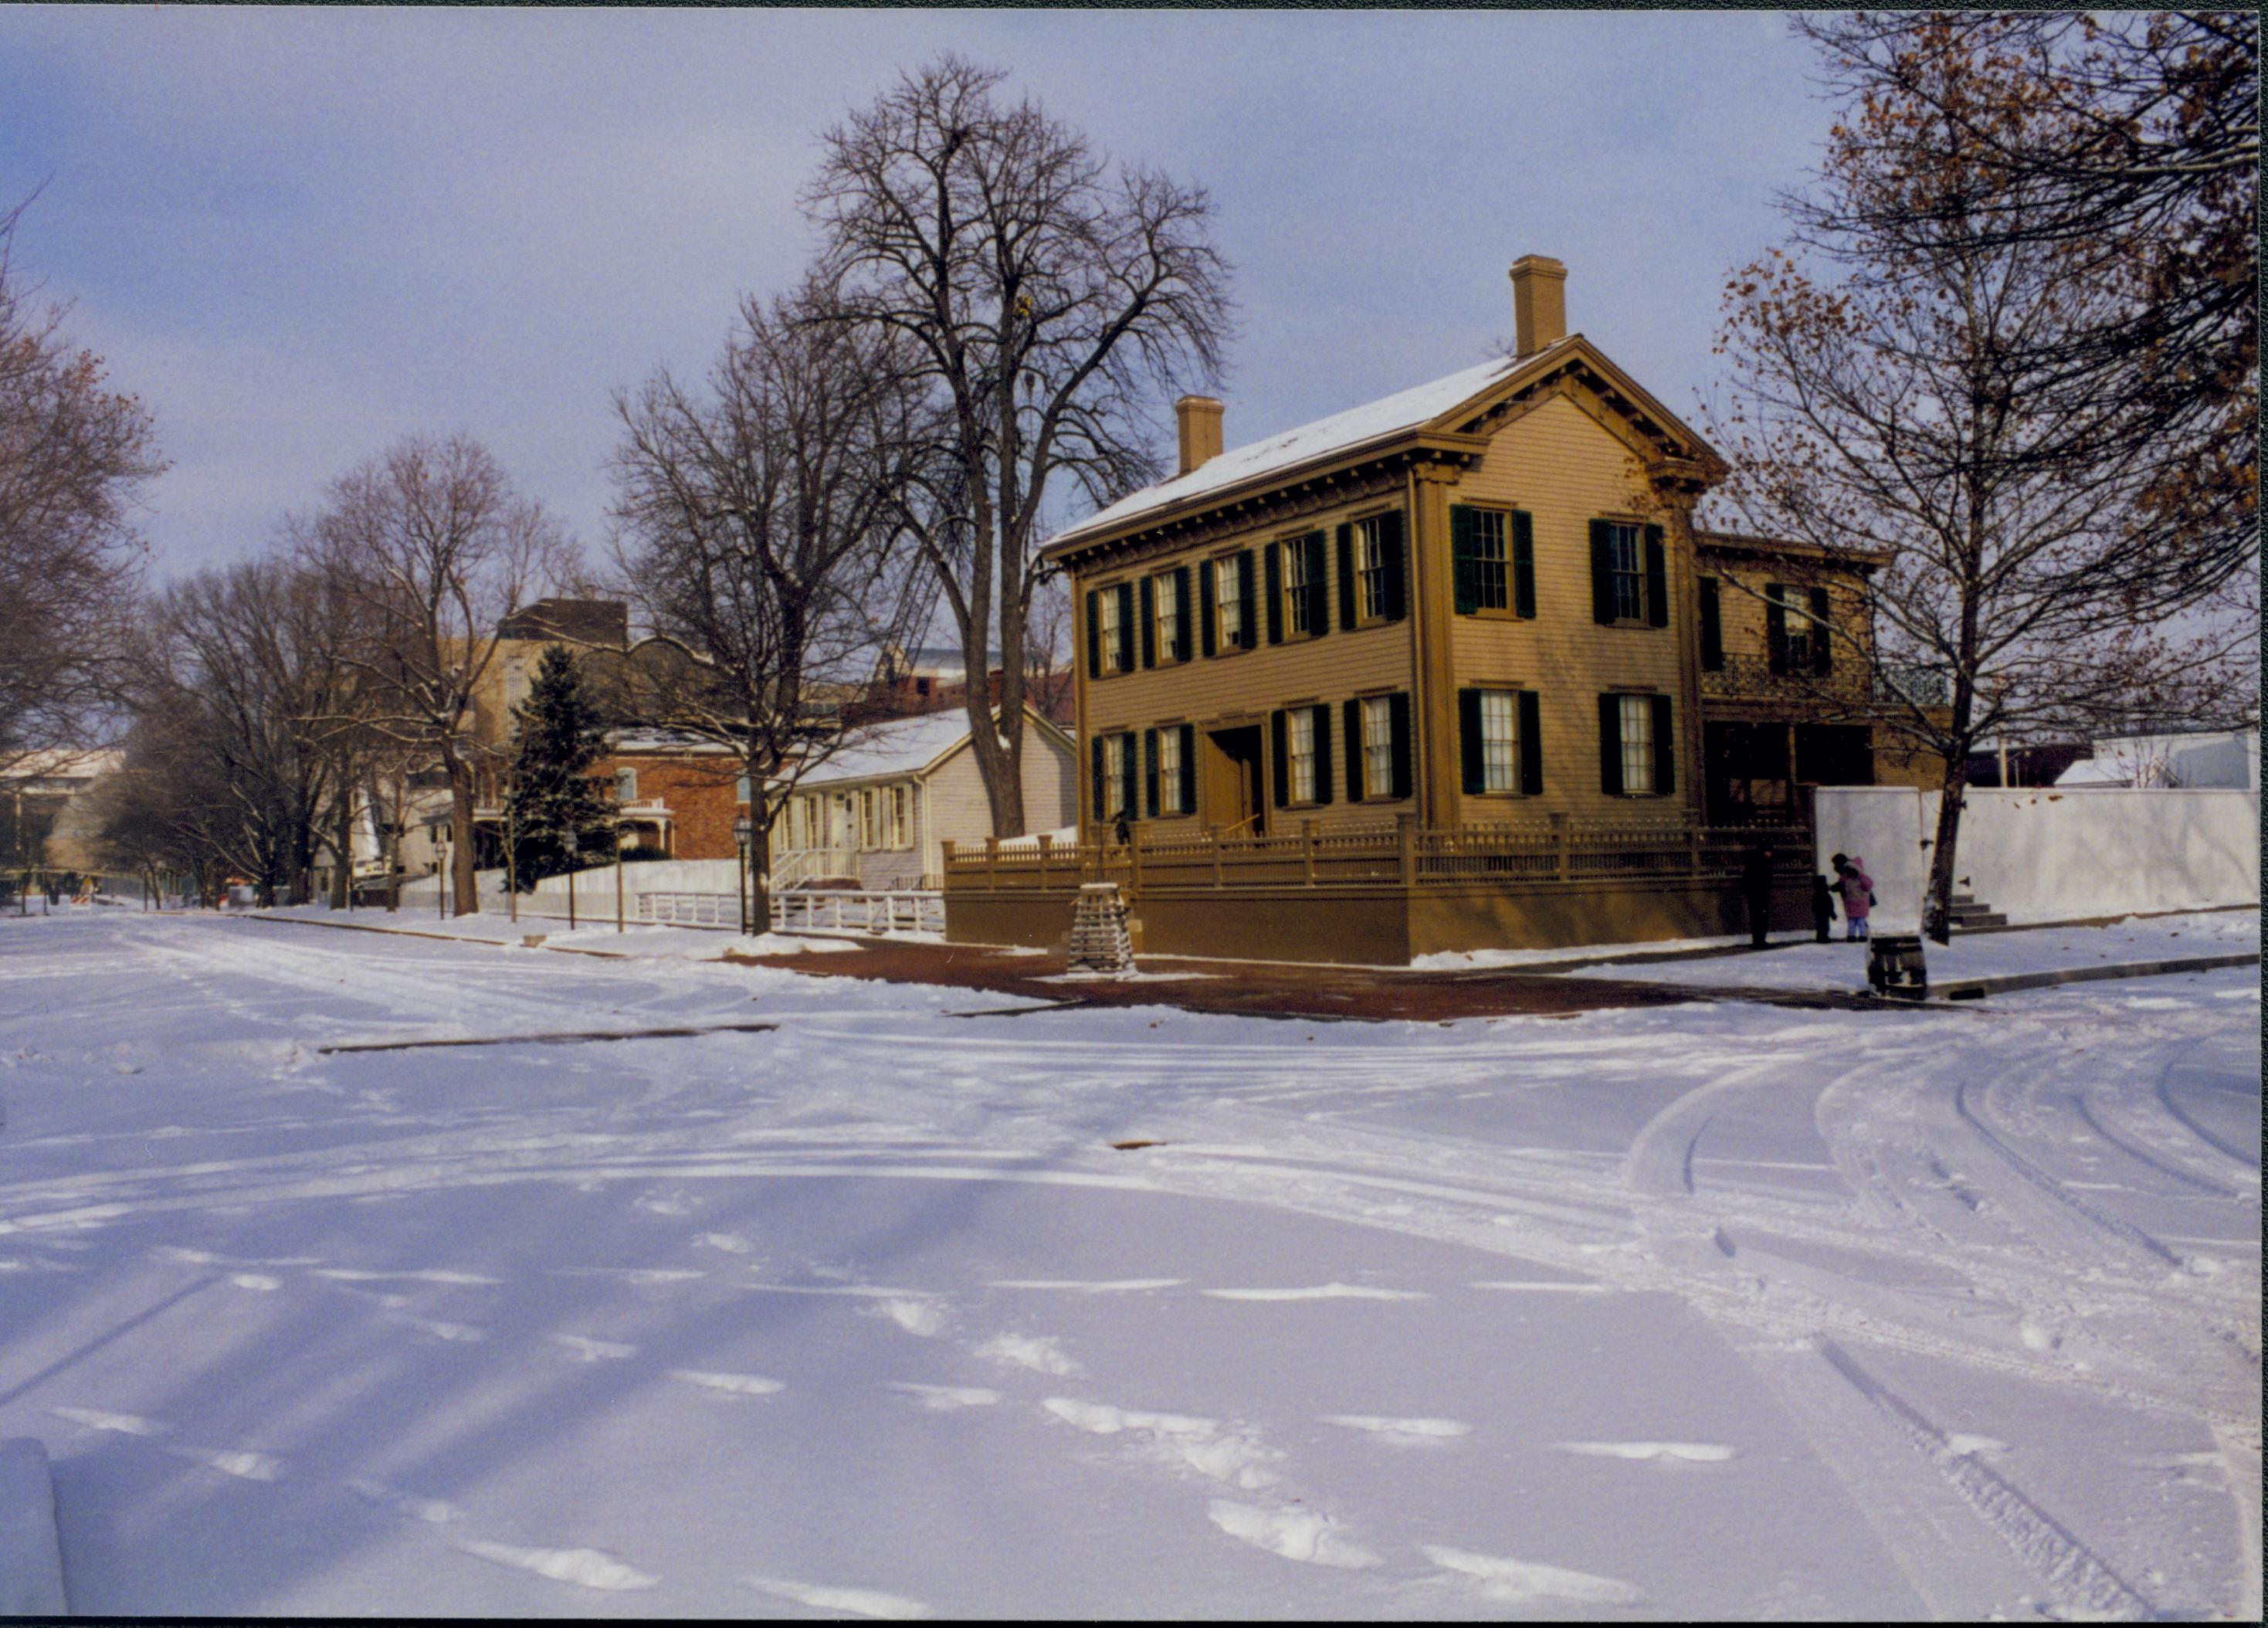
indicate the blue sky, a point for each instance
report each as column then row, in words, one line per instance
column 301, row 234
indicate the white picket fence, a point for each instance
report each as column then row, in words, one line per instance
column 825, row 911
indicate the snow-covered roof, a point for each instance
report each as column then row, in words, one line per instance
column 62, row 763
column 1405, row 409
column 904, row 746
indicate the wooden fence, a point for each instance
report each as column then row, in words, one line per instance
column 1387, row 854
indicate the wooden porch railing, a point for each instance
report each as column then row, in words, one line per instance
column 1398, row 853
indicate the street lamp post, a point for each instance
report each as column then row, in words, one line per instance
column 618, row 879
column 571, row 842
column 742, row 829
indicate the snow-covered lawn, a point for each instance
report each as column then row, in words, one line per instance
column 1841, row 964
column 1694, row 1311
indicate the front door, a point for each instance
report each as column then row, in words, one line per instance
column 1235, row 784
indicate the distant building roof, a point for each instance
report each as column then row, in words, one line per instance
column 905, row 745
column 62, row 763
column 582, row 621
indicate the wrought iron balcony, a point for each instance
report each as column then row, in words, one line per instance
column 1745, row 677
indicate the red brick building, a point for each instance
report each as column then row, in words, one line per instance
column 674, row 796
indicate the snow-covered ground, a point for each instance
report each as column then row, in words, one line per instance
column 1694, row 1311
column 1841, row 964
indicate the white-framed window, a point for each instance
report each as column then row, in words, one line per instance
column 1638, row 744
column 515, row 684
column 894, row 820
column 1490, row 540
column 1169, row 771
column 1378, row 745
column 1626, row 562
column 1166, row 595
column 740, row 789
column 1113, row 776
column 626, row 785
column 1370, row 568
column 1299, row 748
column 870, row 822
column 1499, row 741
column 1114, row 635
column 1299, row 581
column 1228, row 602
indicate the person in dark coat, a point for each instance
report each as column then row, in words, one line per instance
column 1121, row 830
column 1822, row 907
column 1756, row 887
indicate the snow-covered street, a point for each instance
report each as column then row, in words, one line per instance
column 1704, row 1310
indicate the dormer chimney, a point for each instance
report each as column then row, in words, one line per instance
column 1199, row 419
column 1539, row 302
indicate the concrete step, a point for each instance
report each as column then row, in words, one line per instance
column 1964, row 919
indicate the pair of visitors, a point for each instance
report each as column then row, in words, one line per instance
column 1858, row 890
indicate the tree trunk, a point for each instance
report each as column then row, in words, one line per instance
column 343, row 872
column 1936, row 902
column 465, row 897
column 759, row 864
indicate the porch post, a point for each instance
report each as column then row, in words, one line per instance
column 1405, row 844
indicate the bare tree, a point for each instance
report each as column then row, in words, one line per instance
column 1904, row 384
column 761, row 534
column 1050, row 300
column 74, row 457
column 433, row 547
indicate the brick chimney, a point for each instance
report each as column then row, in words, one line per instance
column 1199, row 419
column 1539, row 301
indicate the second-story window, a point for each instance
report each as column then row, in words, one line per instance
column 1299, row 584
column 1168, row 597
column 1228, row 601
column 1626, row 560
column 1114, row 635
column 1372, row 570
column 626, row 785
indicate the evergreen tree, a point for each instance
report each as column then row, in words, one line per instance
column 552, row 791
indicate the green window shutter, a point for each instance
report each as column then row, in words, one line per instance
column 1468, row 741
column 1323, row 729
column 1665, row 749
column 1181, row 613
column 1346, row 577
column 1776, row 625
column 1610, row 745
column 1531, row 744
column 1094, row 807
column 1188, row 768
column 1713, row 628
column 1280, row 758
column 1150, row 771
column 1352, row 712
column 1208, row 617
column 1130, row 777
column 1393, row 556
column 1272, row 555
column 1523, row 563
column 1398, row 718
column 1657, row 578
column 1094, row 634
column 1822, row 655
column 1602, row 572
column 1319, row 594
column 1126, row 626
column 1247, row 621
column 1462, row 568
column 1149, row 623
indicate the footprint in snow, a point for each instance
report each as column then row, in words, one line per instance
column 254, row 1280
column 433, row 1511
column 731, row 1243
column 944, row 1398
column 1651, row 1452
column 1036, row 1351
column 858, row 1602
column 1116, row 1285
column 456, row 1333
column 1519, row 1582
column 729, row 1384
column 1401, row 1433
column 338, row 1274
column 124, row 1424
column 585, row 1568
column 922, row 1317
column 628, row 1274
column 1294, row 1534
column 245, row 1466
column 1224, row 1456
column 1321, row 1291
column 654, row 1204
column 594, row 1351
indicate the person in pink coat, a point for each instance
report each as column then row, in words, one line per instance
column 1858, row 890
